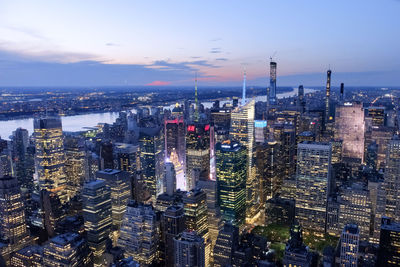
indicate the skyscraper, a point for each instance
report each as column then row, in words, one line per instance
column 313, row 184
column 170, row 178
column 189, row 250
column 175, row 137
column 13, row 228
column 173, row 223
column 271, row 98
column 195, row 205
column 327, row 98
column 350, row 128
column 341, row 92
column 196, row 101
column 75, row 164
column 152, row 159
column 269, row 169
column 50, row 157
column 231, row 177
column 197, row 153
column 120, row 184
column 139, row 233
column 242, row 131
column 301, row 103
column 97, row 215
column 349, row 243
column 389, row 244
column 128, row 157
column 392, row 179
column 20, row 143
column 244, row 89
column 68, row 249
column 227, row 242
column 355, row 208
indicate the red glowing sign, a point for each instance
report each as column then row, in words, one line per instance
column 207, row 127
column 191, row 128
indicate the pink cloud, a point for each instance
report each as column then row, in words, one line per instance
column 158, row 83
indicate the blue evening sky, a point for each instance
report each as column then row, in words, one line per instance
column 125, row 42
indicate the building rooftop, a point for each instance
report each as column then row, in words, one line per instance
column 109, row 171
column 65, row 238
column 352, row 229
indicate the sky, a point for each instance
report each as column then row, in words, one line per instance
column 126, row 42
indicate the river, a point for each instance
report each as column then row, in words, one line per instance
column 80, row 122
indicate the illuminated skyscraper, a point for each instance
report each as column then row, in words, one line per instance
column 28, row 256
column 68, row 249
column 272, row 83
column 189, row 250
column 392, row 179
column 327, row 98
column 389, row 244
column 152, row 159
column 13, row 228
column 120, row 184
column 6, row 161
column 139, row 233
column 350, row 128
column 197, row 153
column 50, row 157
column 97, row 215
column 195, row 205
column 231, row 177
column 175, row 138
column 313, row 184
column 75, row 164
column 242, row 131
column 260, row 130
column 355, row 208
column 128, row 157
column 349, row 242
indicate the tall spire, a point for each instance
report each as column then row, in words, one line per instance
column 327, row 97
column 244, row 89
column 196, row 112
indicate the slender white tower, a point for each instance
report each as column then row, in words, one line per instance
column 244, row 89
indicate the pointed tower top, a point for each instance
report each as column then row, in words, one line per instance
column 244, row 88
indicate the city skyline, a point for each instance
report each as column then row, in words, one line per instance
column 165, row 43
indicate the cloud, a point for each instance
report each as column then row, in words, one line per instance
column 158, row 83
column 27, row 32
column 216, row 40
column 31, row 54
column 221, row 59
column 112, row 44
column 185, row 65
column 215, row 50
column 22, row 70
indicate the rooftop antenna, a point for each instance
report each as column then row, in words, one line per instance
column 273, row 55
